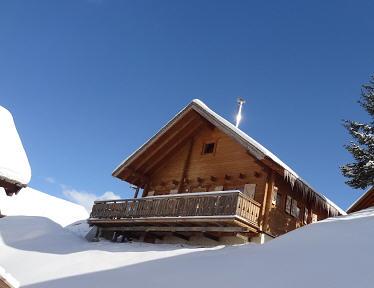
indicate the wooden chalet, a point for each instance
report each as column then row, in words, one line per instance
column 365, row 201
column 200, row 176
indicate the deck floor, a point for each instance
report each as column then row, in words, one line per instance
column 227, row 224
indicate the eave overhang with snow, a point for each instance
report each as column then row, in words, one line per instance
column 126, row 171
column 366, row 200
column 15, row 171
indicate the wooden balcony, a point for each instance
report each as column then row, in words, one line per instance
column 224, row 212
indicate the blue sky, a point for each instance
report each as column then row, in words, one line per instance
column 89, row 81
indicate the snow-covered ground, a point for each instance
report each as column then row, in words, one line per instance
column 31, row 202
column 337, row 252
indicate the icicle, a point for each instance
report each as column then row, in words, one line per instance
column 290, row 177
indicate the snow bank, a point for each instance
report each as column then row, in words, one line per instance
column 50, row 252
column 14, row 165
column 79, row 228
column 337, row 252
column 31, row 202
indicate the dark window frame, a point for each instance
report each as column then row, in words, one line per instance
column 209, row 148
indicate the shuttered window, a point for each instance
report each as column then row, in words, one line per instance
column 288, row 204
column 291, row 207
column 295, row 211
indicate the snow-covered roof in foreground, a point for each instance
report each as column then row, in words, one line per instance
column 258, row 150
column 336, row 252
column 31, row 202
column 14, row 165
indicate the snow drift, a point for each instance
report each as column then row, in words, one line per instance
column 337, row 252
column 14, row 165
column 31, row 202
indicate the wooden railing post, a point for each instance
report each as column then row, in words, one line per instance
column 267, row 203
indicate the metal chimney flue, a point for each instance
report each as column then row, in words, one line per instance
column 240, row 102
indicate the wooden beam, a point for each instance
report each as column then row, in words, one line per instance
column 182, row 236
column 211, row 236
column 179, row 133
column 175, row 146
column 172, row 220
column 177, row 229
column 167, row 145
column 132, row 176
column 267, row 203
column 136, row 192
column 185, row 167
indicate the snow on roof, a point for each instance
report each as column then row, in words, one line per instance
column 31, row 202
column 14, row 165
column 258, row 150
column 361, row 197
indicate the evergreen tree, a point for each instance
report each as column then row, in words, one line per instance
column 361, row 172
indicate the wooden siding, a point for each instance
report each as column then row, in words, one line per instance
column 229, row 166
column 281, row 222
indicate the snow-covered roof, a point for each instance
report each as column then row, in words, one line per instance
column 359, row 199
column 14, row 165
column 256, row 149
column 31, row 202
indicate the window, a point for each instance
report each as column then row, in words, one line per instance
column 306, row 213
column 295, row 211
column 291, row 207
column 249, row 190
column 208, row 148
column 151, row 193
column 174, row 191
column 288, row 204
column 218, row 188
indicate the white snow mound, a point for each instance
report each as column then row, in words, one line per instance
column 334, row 253
column 14, row 165
column 31, row 202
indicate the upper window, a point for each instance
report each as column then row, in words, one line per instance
column 208, row 148
column 291, row 207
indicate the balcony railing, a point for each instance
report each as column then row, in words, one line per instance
column 205, row 204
